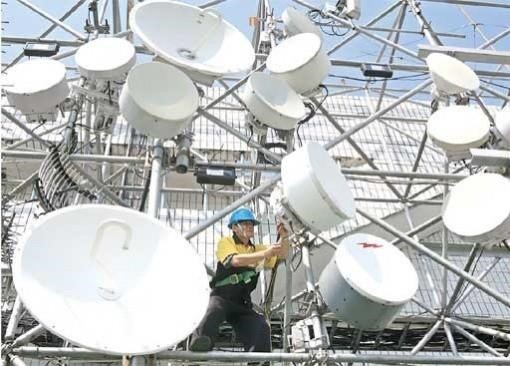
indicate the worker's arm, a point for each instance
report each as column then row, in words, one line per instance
column 252, row 259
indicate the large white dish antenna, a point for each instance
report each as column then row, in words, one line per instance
column 456, row 129
column 158, row 99
column 502, row 122
column 106, row 58
column 315, row 188
column 296, row 23
column 450, row 75
column 36, row 86
column 197, row 40
column 300, row 61
column 111, row 279
column 478, row 208
column 272, row 101
column 368, row 282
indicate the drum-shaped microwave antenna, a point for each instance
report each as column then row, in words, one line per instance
column 158, row 99
column 37, row 86
column 199, row 41
column 478, row 208
column 300, row 61
column 368, row 282
column 111, row 279
column 106, row 58
column 450, row 75
column 296, row 23
column 456, row 129
column 502, row 122
column 272, row 101
column 313, row 190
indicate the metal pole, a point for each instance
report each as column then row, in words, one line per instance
column 116, row 16
column 473, row 339
column 16, row 313
column 450, row 338
column 494, row 39
column 479, row 328
column 444, row 246
column 53, row 20
column 156, row 180
column 436, row 258
column 22, row 126
column 220, row 214
column 376, row 115
column 426, row 338
column 28, row 139
column 270, row 357
column 28, row 336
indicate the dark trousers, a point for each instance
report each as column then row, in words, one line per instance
column 250, row 328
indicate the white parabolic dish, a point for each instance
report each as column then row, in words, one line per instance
column 300, row 61
column 272, row 101
column 450, row 75
column 458, row 128
column 478, row 208
column 296, row 22
column 502, row 122
column 158, row 99
column 36, row 86
column 111, row 279
column 105, row 58
column 195, row 39
column 315, row 188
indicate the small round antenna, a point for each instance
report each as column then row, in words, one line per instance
column 296, row 23
column 272, row 101
column 300, row 61
column 456, row 129
column 111, row 279
column 106, row 58
column 313, row 189
column 158, row 99
column 199, row 41
column 36, row 87
column 478, row 208
column 368, row 282
column 450, row 75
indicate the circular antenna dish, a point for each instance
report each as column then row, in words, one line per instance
column 197, row 40
column 300, row 61
column 158, row 99
column 113, row 280
column 315, row 188
column 272, row 101
column 478, row 208
column 36, row 86
column 456, row 129
column 368, row 282
column 296, row 23
column 502, row 122
column 450, row 75
column 106, row 58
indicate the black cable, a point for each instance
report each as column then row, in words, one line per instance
column 372, row 80
column 145, row 192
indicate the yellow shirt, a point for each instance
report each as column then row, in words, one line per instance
column 227, row 246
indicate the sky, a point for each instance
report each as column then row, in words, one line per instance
column 22, row 22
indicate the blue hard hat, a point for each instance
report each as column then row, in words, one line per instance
column 242, row 214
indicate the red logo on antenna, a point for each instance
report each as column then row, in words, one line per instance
column 370, row 245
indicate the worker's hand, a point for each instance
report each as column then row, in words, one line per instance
column 282, row 231
column 273, row 250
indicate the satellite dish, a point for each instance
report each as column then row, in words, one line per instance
column 478, row 208
column 158, row 99
column 368, row 282
column 197, row 40
column 502, row 122
column 313, row 189
column 106, row 58
column 37, row 86
column 456, row 129
column 111, row 279
column 296, row 23
column 272, row 101
column 300, row 61
column 450, row 75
